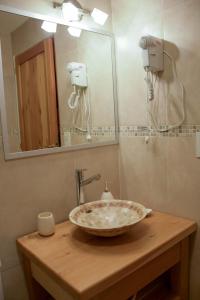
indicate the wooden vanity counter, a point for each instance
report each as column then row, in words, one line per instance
column 74, row 265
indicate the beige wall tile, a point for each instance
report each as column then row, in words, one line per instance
column 165, row 173
column 143, row 170
column 183, row 194
column 14, row 284
column 183, row 178
column 29, row 187
column 175, row 4
column 131, row 20
column 180, row 29
column 129, row 12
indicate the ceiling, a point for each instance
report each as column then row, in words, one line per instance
column 10, row 22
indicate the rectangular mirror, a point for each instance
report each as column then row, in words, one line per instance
column 58, row 91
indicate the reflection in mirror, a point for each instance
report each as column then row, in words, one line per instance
column 59, row 88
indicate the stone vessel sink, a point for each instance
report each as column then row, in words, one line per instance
column 108, row 217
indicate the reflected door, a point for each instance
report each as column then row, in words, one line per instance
column 38, row 106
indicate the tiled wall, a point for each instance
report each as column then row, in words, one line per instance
column 28, row 186
column 163, row 174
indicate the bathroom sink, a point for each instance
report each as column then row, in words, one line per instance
column 108, row 217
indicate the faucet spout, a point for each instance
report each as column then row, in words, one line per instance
column 80, row 182
column 90, row 179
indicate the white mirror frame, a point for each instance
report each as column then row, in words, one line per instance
column 16, row 155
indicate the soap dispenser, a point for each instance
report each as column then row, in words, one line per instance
column 107, row 195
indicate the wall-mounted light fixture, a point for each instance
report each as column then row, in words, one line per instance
column 76, row 32
column 99, row 16
column 49, row 26
column 73, row 11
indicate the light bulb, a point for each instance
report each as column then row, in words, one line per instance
column 70, row 12
column 99, row 16
column 49, row 26
column 74, row 31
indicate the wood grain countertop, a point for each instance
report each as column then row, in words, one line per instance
column 85, row 265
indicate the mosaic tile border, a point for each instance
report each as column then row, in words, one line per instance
column 183, row 131
column 95, row 131
column 130, row 130
column 137, row 131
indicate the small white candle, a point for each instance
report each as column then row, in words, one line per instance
column 46, row 224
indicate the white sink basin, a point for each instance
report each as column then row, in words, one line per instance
column 108, row 217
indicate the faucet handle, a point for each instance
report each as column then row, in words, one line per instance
column 80, row 172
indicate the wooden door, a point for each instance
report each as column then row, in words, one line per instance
column 38, row 107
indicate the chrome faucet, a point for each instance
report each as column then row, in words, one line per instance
column 80, row 181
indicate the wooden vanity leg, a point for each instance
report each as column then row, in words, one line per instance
column 180, row 272
column 35, row 291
